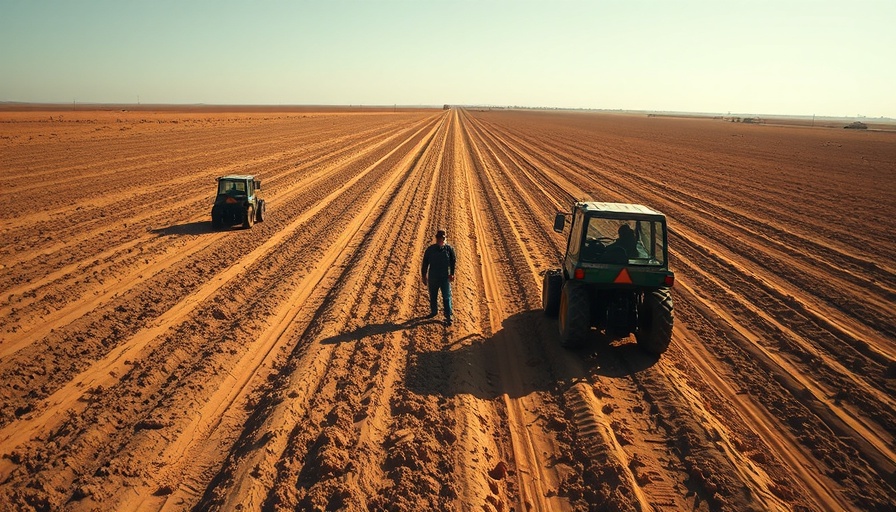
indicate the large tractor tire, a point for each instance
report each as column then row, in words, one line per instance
column 261, row 211
column 249, row 220
column 575, row 315
column 550, row 292
column 217, row 222
column 655, row 318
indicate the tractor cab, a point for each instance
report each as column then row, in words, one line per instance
column 238, row 185
column 605, row 236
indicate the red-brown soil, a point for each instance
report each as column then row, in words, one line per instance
column 148, row 362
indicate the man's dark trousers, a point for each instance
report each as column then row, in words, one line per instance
column 445, row 286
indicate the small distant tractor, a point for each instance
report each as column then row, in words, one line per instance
column 237, row 202
column 614, row 276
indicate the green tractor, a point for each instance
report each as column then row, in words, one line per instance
column 237, row 202
column 614, row 276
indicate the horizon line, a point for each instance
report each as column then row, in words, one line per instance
column 148, row 106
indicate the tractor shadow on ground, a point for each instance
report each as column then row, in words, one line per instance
column 479, row 366
column 190, row 228
column 615, row 358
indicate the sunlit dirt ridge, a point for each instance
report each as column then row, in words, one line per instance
column 149, row 362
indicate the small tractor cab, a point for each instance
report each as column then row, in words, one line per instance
column 614, row 276
column 237, row 202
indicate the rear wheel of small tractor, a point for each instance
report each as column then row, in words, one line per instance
column 575, row 318
column 655, row 319
column 217, row 222
column 261, row 209
column 249, row 220
column 550, row 292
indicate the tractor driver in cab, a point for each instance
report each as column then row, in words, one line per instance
column 626, row 240
column 625, row 247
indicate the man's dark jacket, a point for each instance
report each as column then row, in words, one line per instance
column 440, row 262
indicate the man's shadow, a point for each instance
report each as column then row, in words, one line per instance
column 382, row 328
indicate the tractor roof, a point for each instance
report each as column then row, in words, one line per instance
column 619, row 208
column 237, row 177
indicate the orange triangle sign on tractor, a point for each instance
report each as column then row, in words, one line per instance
column 623, row 277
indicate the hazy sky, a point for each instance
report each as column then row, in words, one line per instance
column 753, row 56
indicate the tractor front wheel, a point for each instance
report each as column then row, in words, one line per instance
column 261, row 210
column 655, row 317
column 550, row 292
column 575, row 318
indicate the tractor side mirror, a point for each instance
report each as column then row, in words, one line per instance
column 257, row 185
column 559, row 222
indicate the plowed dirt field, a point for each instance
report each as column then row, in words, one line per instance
column 149, row 362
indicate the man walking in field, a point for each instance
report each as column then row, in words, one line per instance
column 439, row 260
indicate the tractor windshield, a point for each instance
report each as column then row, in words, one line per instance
column 231, row 187
column 624, row 242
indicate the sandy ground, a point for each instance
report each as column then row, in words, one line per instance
column 148, row 362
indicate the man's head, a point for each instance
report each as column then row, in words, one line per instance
column 441, row 236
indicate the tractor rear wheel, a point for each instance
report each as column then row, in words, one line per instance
column 550, row 292
column 655, row 317
column 261, row 209
column 249, row 220
column 575, row 317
